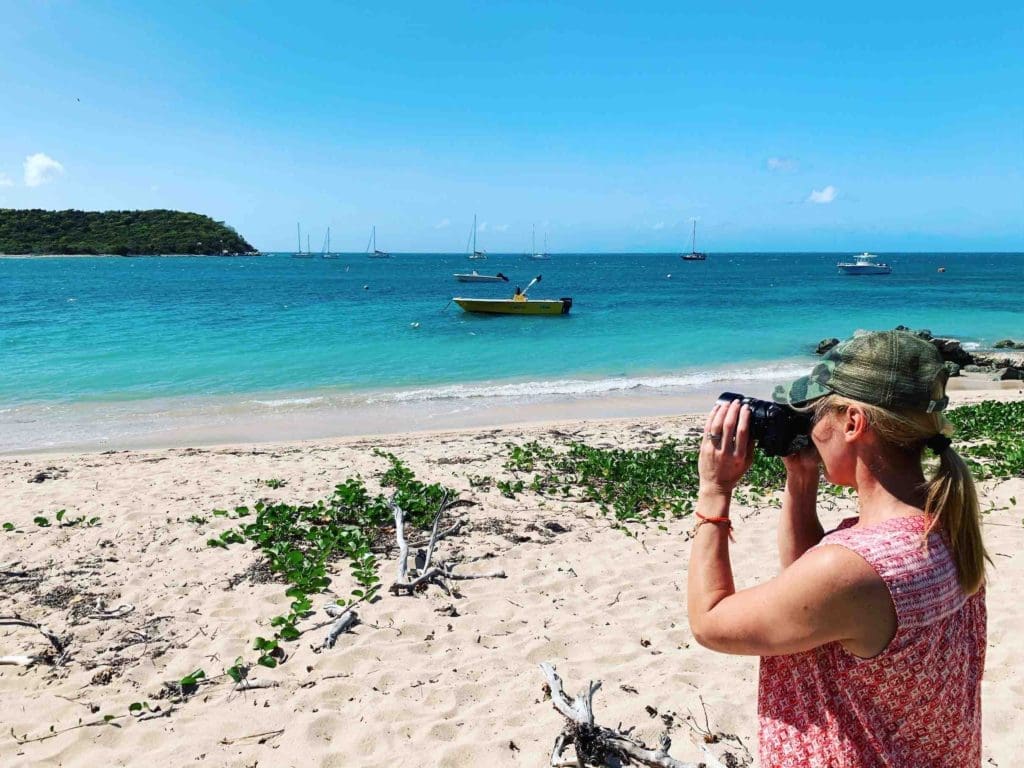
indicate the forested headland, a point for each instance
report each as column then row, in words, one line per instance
column 123, row 233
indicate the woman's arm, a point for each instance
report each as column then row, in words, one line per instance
column 799, row 527
column 827, row 594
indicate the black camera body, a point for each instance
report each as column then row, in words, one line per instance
column 778, row 430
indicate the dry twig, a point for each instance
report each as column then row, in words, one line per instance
column 596, row 745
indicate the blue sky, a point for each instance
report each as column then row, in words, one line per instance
column 824, row 126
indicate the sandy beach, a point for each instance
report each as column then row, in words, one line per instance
column 426, row 679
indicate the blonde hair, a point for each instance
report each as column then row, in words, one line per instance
column 951, row 500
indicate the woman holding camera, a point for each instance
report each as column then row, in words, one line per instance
column 872, row 637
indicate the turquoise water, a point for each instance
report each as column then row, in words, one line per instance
column 112, row 329
column 174, row 350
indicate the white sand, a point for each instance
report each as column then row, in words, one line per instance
column 410, row 685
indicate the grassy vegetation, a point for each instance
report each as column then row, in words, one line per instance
column 990, row 436
column 124, row 233
column 637, row 485
column 301, row 541
column 631, row 485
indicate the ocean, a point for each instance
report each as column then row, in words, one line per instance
column 93, row 350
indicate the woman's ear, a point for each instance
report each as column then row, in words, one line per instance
column 854, row 423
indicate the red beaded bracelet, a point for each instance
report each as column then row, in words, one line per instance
column 717, row 521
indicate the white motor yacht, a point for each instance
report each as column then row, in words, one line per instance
column 864, row 264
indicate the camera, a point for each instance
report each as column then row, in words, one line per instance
column 778, row 430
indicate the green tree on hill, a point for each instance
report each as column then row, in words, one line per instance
column 126, row 233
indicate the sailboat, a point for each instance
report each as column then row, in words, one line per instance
column 694, row 254
column 371, row 247
column 543, row 255
column 475, row 254
column 299, row 253
column 326, row 253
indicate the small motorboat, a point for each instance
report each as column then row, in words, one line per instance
column 519, row 304
column 516, row 306
column 864, row 264
column 475, row 277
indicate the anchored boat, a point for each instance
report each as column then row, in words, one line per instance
column 864, row 264
column 514, row 307
column 474, row 254
column 519, row 304
column 694, row 254
column 371, row 247
column 475, row 277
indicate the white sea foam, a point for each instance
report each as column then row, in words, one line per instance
column 287, row 402
column 588, row 387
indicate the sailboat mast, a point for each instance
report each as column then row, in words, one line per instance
column 533, row 240
column 693, row 241
column 374, row 238
column 474, row 234
column 298, row 235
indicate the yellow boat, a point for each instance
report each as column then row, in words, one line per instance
column 522, row 306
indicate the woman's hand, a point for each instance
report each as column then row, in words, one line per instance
column 726, row 452
column 803, row 465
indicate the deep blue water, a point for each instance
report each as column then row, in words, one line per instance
column 102, row 329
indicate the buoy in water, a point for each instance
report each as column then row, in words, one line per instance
column 414, row 325
column 366, row 287
column 669, row 275
column 942, row 269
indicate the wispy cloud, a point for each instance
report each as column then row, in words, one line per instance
column 823, row 196
column 482, row 227
column 6, row 181
column 501, row 227
column 659, row 225
column 781, row 164
column 443, row 224
column 40, row 168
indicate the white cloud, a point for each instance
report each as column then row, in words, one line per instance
column 501, row 227
column 443, row 224
column 6, row 181
column 659, row 225
column 40, row 168
column 482, row 227
column 822, row 196
column 781, row 164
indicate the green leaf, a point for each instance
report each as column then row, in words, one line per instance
column 60, row 515
column 41, row 521
column 8, row 526
column 290, row 633
column 135, row 707
column 267, row 661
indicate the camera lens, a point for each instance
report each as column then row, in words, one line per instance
column 776, row 429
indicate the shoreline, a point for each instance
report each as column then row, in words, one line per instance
column 348, row 427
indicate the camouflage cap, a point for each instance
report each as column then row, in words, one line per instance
column 891, row 369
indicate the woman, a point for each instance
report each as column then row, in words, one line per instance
column 872, row 637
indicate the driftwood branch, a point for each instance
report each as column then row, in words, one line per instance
column 245, row 684
column 345, row 619
column 17, row 661
column 409, row 580
column 58, row 645
column 599, row 746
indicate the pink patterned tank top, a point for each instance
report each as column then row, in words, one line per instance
column 917, row 703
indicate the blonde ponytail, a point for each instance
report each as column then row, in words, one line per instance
column 952, row 503
column 951, row 500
